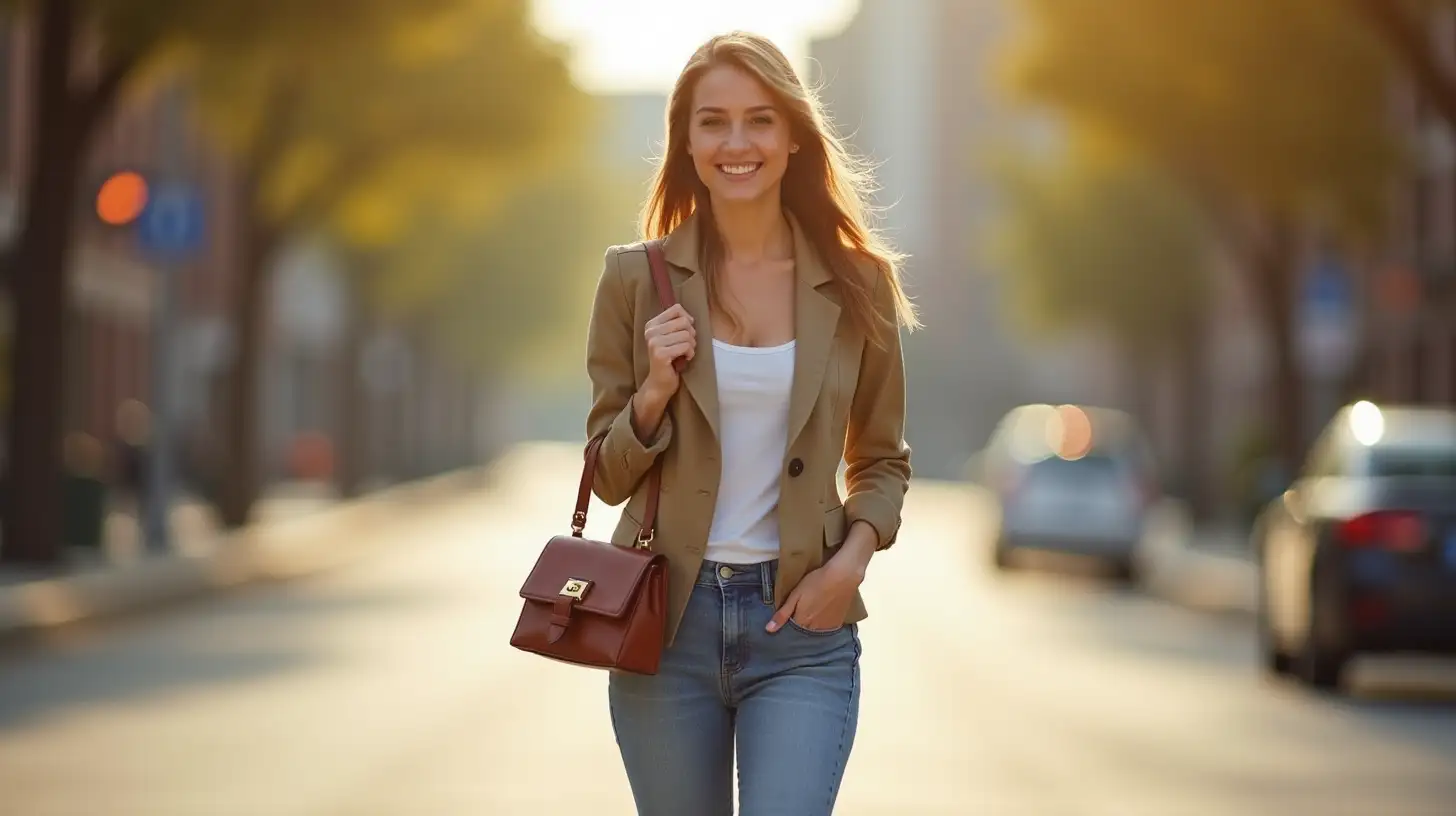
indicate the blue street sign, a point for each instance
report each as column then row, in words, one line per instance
column 1328, row 292
column 172, row 225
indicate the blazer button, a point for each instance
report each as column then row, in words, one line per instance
column 796, row 466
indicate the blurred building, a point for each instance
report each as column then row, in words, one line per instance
column 153, row 131
column 1413, row 289
column 634, row 130
column 911, row 84
column 108, row 350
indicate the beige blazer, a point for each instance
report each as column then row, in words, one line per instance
column 847, row 401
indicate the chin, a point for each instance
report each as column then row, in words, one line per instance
column 731, row 194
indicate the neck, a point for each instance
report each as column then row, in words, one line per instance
column 755, row 231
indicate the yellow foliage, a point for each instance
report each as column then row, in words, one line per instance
column 301, row 167
column 372, row 219
column 1284, row 103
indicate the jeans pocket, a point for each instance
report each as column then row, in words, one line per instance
column 815, row 632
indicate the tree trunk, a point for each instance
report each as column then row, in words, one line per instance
column 242, row 439
column 1407, row 33
column 1274, row 286
column 1193, row 414
column 1139, row 385
column 39, row 289
column 354, row 420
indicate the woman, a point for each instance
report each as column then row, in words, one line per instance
column 789, row 315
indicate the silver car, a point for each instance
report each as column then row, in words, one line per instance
column 1090, row 498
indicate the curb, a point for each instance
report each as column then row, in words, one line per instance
column 1176, row 568
column 264, row 551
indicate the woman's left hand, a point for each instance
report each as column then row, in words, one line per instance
column 822, row 598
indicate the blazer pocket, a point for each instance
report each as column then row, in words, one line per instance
column 834, row 527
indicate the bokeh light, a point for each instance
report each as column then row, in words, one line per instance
column 122, row 198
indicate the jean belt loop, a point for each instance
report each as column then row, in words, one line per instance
column 765, row 573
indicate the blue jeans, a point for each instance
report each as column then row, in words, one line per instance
column 791, row 700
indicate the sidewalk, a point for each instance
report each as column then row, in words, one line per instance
column 194, row 529
column 1210, row 570
column 298, row 529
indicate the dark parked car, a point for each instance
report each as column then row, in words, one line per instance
column 1359, row 555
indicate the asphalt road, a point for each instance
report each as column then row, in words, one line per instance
column 387, row 689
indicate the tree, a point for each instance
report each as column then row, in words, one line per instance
column 452, row 108
column 1404, row 27
column 1272, row 114
column 1097, row 238
column 87, row 51
column 497, row 298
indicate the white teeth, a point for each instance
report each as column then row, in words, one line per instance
column 737, row 169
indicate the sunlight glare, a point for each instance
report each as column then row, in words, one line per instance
column 641, row 45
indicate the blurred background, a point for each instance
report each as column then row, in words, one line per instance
column 375, row 238
column 277, row 260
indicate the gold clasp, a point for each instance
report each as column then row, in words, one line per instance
column 576, row 588
column 644, row 539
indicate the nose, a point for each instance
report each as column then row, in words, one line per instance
column 737, row 138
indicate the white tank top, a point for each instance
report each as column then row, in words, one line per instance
column 753, row 419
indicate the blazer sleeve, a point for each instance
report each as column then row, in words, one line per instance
column 611, row 342
column 877, row 458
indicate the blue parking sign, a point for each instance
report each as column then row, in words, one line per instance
column 172, row 223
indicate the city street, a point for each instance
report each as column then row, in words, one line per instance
column 387, row 688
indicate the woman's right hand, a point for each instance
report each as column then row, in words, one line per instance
column 670, row 335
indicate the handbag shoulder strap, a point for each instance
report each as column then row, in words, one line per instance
column 667, row 298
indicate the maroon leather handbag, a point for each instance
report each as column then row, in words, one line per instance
column 591, row 603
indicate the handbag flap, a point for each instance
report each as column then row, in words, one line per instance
column 614, row 573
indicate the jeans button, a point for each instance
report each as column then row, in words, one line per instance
column 725, row 572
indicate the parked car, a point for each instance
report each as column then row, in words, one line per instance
column 1359, row 555
column 1069, row 479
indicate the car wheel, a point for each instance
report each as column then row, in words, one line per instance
column 1001, row 555
column 1125, row 570
column 1321, row 668
column 1321, row 665
column 1275, row 660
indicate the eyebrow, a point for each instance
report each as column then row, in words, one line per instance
column 754, row 109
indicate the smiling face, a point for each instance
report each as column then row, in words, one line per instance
column 738, row 137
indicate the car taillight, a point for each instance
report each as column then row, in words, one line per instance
column 1393, row 530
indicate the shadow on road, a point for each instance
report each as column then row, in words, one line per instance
column 165, row 652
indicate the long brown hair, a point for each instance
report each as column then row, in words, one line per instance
column 825, row 187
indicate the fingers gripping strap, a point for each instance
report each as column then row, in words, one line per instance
column 667, row 298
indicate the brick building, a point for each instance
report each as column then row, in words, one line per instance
column 428, row 422
column 108, row 350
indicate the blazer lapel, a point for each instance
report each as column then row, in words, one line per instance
column 700, row 377
column 816, row 318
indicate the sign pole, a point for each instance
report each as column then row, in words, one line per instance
column 171, row 231
column 159, row 475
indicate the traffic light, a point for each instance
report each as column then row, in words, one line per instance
column 121, row 198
